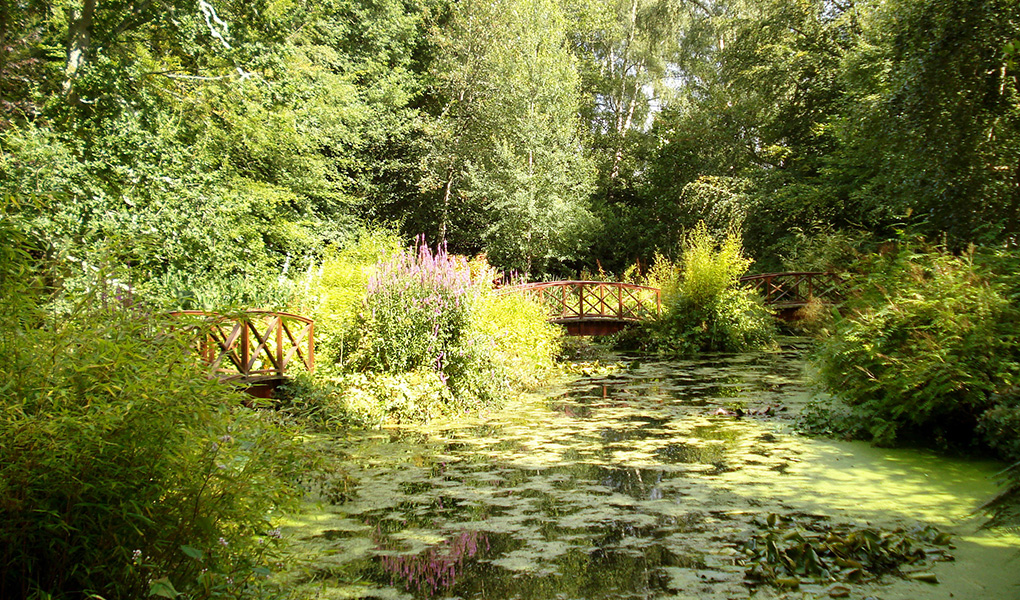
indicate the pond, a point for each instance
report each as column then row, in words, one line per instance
column 649, row 482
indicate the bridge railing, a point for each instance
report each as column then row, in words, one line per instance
column 251, row 346
column 593, row 300
column 798, row 288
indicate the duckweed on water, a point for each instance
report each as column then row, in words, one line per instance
column 614, row 487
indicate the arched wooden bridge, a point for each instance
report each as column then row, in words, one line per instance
column 603, row 308
column 253, row 348
column 788, row 292
column 594, row 307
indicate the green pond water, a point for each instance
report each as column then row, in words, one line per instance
column 638, row 484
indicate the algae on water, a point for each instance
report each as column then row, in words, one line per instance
column 634, row 486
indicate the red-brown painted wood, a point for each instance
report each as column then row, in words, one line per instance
column 254, row 347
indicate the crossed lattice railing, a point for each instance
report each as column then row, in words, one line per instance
column 593, row 300
column 251, row 346
column 797, row 289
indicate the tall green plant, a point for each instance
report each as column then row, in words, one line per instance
column 703, row 309
column 334, row 294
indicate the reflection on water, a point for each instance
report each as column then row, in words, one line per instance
column 631, row 486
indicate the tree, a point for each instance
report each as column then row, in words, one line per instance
column 219, row 146
column 935, row 121
column 503, row 152
column 632, row 57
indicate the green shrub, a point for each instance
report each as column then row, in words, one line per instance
column 926, row 343
column 125, row 471
column 367, row 399
column 710, row 267
column 703, row 308
column 523, row 345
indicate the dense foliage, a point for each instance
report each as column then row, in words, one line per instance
column 928, row 340
column 231, row 141
column 124, row 470
column 927, row 351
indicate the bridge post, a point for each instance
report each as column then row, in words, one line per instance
column 279, row 345
column 245, row 350
column 311, row 348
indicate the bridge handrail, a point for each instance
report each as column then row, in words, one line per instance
column 541, row 284
column 251, row 360
column 784, row 273
column 786, row 287
column 623, row 301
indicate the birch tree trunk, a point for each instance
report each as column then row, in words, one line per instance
column 79, row 38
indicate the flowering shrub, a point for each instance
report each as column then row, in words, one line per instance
column 417, row 318
column 430, row 338
column 416, row 312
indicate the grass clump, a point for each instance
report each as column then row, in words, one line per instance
column 703, row 307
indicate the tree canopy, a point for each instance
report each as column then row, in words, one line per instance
column 194, row 143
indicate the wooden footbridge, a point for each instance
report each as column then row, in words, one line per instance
column 789, row 292
column 594, row 307
column 252, row 348
column 603, row 308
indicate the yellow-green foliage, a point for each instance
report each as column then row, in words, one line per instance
column 664, row 274
column 372, row 399
column 709, row 266
column 703, row 308
column 333, row 294
column 523, row 344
